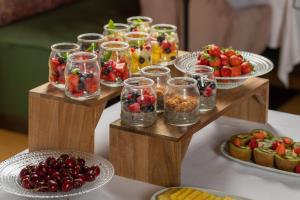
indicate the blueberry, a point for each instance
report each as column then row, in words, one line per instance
column 81, row 84
column 141, row 60
column 89, row 75
column 61, row 60
column 150, row 108
column 160, row 39
column 167, row 50
column 213, row 85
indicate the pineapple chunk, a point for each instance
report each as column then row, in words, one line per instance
column 176, row 194
column 193, row 195
column 166, row 195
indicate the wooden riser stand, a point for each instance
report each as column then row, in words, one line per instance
column 155, row 154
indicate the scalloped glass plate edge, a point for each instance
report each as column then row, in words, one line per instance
column 224, row 151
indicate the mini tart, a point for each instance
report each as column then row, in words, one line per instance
column 261, row 134
column 287, row 162
column 288, row 142
column 243, row 137
column 242, row 152
column 264, row 156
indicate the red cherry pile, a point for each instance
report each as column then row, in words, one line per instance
column 62, row 174
column 112, row 71
column 226, row 61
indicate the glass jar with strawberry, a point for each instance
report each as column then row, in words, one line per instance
column 140, row 23
column 140, row 51
column 138, row 102
column 90, row 42
column 164, row 42
column 57, row 62
column 82, row 76
column 206, row 83
column 160, row 75
column 114, row 61
column 115, row 31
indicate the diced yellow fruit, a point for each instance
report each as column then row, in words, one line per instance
column 166, row 195
column 176, row 194
column 185, row 194
column 156, row 48
column 228, row 198
column 155, row 58
column 202, row 196
column 193, row 195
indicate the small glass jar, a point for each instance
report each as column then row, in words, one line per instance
column 90, row 42
column 140, row 51
column 206, row 83
column 160, row 75
column 57, row 62
column 182, row 101
column 114, row 61
column 117, row 33
column 82, row 76
column 164, row 42
column 140, row 23
column 138, row 102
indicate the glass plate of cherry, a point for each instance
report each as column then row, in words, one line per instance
column 54, row 174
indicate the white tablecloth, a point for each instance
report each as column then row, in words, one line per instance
column 204, row 166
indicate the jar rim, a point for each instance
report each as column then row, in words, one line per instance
column 171, row 80
column 81, row 39
column 146, row 36
column 170, row 26
column 137, row 79
column 144, row 18
column 121, row 26
column 93, row 57
column 161, row 73
column 124, row 46
column 210, row 70
column 55, row 46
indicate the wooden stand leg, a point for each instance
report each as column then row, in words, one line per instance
column 56, row 124
column 254, row 108
column 145, row 158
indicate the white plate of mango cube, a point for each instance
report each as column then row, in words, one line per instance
column 192, row 193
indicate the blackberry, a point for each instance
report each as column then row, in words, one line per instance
column 150, row 108
column 61, row 60
column 167, row 50
column 173, row 57
column 160, row 39
column 141, row 60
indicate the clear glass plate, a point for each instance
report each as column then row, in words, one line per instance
column 261, row 65
column 10, row 169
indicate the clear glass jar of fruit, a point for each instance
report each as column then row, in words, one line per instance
column 140, row 51
column 90, row 42
column 140, row 23
column 57, row 62
column 115, row 31
column 182, row 101
column 138, row 102
column 114, row 61
column 82, row 76
column 160, row 75
column 164, row 42
column 206, row 83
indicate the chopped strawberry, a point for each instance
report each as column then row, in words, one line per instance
column 111, row 77
column 217, row 73
column 235, row 60
column 236, row 142
column 297, row 169
column 236, row 71
column 260, row 135
column 55, row 61
column 213, row 50
column 225, row 71
column 166, row 45
column 275, row 145
column 78, row 93
column 135, row 107
column 215, row 62
column 297, row 150
column 280, row 149
column 61, row 80
column 246, row 67
column 73, row 81
column 229, row 52
column 146, row 99
column 287, row 140
column 253, row 144
column 224, row 60
column 207, row 92
column 91, row 85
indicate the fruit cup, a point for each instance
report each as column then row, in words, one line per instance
column 160, row 75
column 140, row 23
column 82, row 76
column 140, row 51
column 57, row 62
column 114, row 61
column 116, row 31
column 164, row 42
column 138, row 102
column 206, row 83
column 90, row 42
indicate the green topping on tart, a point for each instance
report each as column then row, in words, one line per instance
column 266, row 150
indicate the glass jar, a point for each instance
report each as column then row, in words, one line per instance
column 160, row 75
column 114, row 61
column 182, row 101
column 140, row 23
column 206, row 83
column 140, row 51
column 164, row 42
column 90, row 42
column 138, row 102
column 117, row 32
column 82, row 76
column 57, row 62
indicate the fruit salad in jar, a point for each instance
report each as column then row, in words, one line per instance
column 140, row 51
column 57, row 62
column 140, row 23
column 164, row 42
column 138, row 102
column 115, row 31
column 90, row 42
column 82, row 76
column 114, row 61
